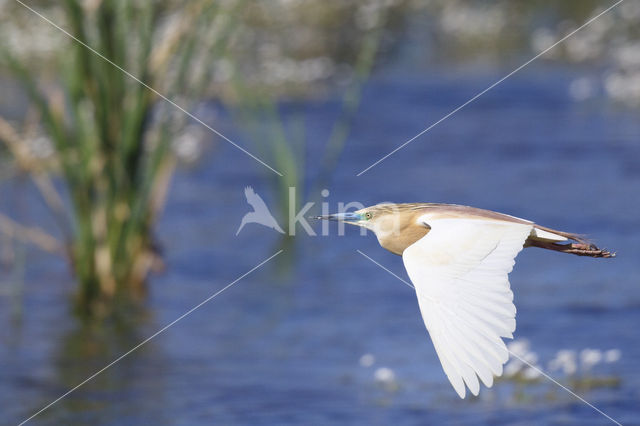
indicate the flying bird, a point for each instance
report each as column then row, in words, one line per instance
column 260, row 213
column 458, row 259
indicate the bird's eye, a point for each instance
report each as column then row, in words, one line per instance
column 368, row 215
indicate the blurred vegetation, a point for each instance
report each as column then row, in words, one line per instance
column 284, row 140
column 584, row 370
column 111, row 140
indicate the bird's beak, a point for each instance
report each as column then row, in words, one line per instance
column 342, row 217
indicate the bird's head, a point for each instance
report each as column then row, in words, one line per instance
column 395, row 225
column 379, row 218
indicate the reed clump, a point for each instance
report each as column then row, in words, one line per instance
column 111, row 136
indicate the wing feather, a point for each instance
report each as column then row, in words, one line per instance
column 454, row 377
column 460, row 272
column 459, row 366
column 473, row 355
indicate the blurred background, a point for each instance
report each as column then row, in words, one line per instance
column 118, row 211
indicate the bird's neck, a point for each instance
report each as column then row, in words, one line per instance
column 397, row 236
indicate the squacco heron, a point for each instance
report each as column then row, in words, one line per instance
column 458, row 259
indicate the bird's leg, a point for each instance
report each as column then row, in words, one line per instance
column 580, row 249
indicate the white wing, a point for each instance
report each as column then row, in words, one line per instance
column 460, row 270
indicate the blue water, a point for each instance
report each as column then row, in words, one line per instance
column 282, row 346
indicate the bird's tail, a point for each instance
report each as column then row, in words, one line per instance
column 565, row 242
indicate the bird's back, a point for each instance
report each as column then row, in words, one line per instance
column 453, row 211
